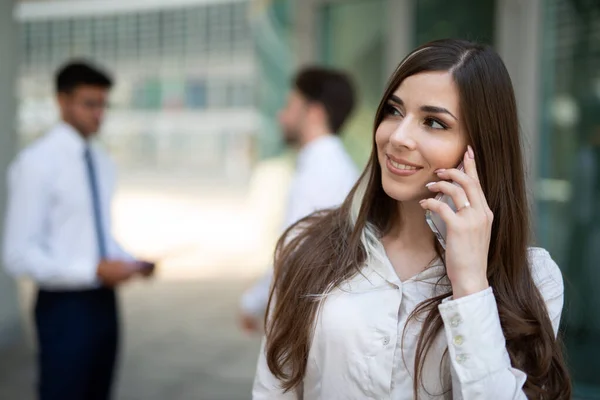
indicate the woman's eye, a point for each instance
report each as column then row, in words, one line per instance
column 393, row 111
column 432, row 123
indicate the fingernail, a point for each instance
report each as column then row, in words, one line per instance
column 421, row 201
column 439, row 171
column 470, row 151
column 429, row 184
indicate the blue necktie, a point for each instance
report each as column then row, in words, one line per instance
column 93, row 182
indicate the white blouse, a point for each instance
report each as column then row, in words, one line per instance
column 358, row 350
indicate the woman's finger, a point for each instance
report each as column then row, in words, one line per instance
column 469, row 185
column 442, row 209
column 469, row 164
column 470, row 167
column 456, row 193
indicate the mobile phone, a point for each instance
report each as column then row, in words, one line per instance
column 435, row 222
column 144, row 266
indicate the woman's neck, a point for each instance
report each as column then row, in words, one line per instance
column 411, row 227
column 410, row 243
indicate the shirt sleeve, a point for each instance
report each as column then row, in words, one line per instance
column 299, row 206
column 313, row 191
column 109, row 170
column 25, row 251
column 307, row 195
column 119, row 253
column 480, row 363
column 254, row 300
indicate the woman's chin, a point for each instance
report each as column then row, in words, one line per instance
column 405, row 194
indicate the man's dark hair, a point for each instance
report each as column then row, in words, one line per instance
column 77, row 73
column 331, row 88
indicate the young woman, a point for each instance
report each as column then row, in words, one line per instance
column 367, row 305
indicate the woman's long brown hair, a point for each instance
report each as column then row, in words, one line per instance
column 327, row 248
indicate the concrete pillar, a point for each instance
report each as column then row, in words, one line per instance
column 306, row 30
column 400, row 33
column 518, row 41
column 10, row 322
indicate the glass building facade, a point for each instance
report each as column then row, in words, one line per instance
column 185, row 93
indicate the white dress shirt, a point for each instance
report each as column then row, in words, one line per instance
column 358, row 351
column 49, row 233
column 324, row 176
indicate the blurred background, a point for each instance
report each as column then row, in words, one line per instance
column 204, row 173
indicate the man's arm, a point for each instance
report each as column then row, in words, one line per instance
column 307, row 196
column 254, row 301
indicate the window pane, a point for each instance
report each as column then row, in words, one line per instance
column 127, row 42
column 196, row 94
column 465, row 19
column 196, row 33
column 61, row 42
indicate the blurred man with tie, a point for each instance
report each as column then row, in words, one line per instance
column 58, row 233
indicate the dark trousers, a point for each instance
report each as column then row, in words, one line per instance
column 77, row 335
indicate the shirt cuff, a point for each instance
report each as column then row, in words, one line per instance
column 476, row 343
column 254, row 301
column 85, row 272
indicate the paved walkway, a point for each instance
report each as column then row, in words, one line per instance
column 180, row 343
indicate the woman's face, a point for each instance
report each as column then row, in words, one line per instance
column 420, row 132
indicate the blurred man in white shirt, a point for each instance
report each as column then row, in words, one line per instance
column 320, row 102
column 58, row 233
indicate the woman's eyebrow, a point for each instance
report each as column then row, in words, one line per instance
column 430, row 109
column 396, row 99
column 437, row 110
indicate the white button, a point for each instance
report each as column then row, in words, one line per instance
column 458, row 340
column 386, row 340
column 455, row 321
column 461, row 358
